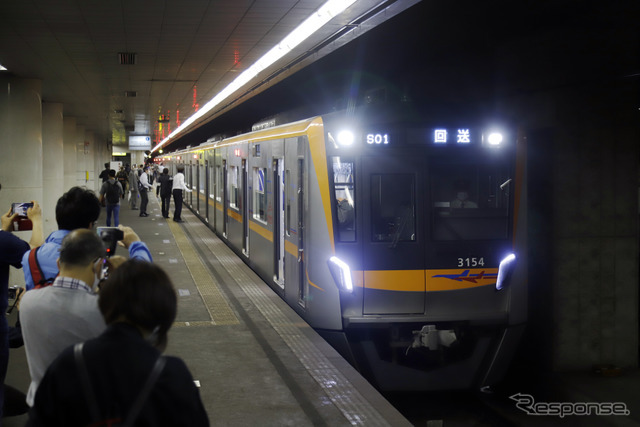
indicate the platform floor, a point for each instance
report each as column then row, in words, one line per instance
column 257, row 362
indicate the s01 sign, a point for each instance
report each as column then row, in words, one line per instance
column 377, row 138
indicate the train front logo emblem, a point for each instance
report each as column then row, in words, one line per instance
column 466, row 277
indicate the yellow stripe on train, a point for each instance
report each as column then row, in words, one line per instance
column 425, row 280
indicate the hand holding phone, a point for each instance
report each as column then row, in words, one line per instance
column 19, row 214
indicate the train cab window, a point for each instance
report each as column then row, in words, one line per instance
column 470, row 201
column 393, row 207
column 259, row 195
column 343, row 181
column 233, row 187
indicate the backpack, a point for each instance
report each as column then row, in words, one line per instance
column 112, row 194
column 39, row 281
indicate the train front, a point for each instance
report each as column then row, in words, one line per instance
column 429, row 226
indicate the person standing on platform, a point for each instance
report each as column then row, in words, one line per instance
column 104, row 175
column 177, row 188
column 123, row 178
column 11, row 251
column 77, row 208
column 143, row 188
column 112, row 191
column 66, row 312
column 165, row 184
column 133, row 186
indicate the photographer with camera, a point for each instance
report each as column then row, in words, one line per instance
column 77, row 208
column 57, row 316
column 11, row 250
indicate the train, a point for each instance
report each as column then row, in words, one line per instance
column 400, row 239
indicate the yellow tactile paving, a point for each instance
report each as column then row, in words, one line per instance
column 219, row 310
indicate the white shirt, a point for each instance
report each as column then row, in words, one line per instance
column 144, row 181
column 178, row 183
column 54, row 318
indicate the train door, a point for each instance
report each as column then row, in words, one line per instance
column 278, row 221
column 302, row 283
column 190, row 183
column 225, row 198
column 244, row 208
column 393, row 235
column 207, row 190
column 197, row 187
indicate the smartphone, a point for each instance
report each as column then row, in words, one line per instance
column 21, row 208
column 110, row 237
column 21, row 223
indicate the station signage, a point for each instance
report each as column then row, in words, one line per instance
column 139, row 142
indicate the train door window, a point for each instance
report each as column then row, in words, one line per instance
column 212, row 182
column 470, row 201
column 218, row 184
column 259, row 195
column 393, row 207
column 287, row 196
column 233, row 187
column 201, row 179
column 344, row 185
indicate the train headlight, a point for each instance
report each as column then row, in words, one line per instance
column 341, row 273
column 495, row 139
column 345, row 138
column 504, row 271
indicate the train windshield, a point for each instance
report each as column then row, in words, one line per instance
column 470, row 201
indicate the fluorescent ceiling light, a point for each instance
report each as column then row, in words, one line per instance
column 312, row 24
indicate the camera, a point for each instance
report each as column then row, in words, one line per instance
column 110, row 237
column 13, row 292
column 21, row 222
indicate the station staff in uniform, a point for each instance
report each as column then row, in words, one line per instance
column 178, row 186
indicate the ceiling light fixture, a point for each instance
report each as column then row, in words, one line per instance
column 2, row 68
column 309, row 26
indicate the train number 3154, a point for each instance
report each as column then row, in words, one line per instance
column 471, row 262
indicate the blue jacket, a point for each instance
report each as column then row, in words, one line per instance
column 49, row 253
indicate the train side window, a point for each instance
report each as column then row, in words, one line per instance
column 233, row 187
column 259, row 197
column 393, row 207
column 344, row 184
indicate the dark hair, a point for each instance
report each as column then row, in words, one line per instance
column 142, row 294
column 180, row 168
column 106, row 165
column 165, row 171
column 112, row 172
column 81, row 247
column 77, row 208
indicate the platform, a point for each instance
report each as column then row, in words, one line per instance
column 256, row 361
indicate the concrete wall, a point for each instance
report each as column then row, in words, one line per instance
column 568, row 90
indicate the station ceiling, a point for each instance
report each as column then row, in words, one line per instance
column 123, row 67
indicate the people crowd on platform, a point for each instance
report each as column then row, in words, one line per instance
column 94, row 324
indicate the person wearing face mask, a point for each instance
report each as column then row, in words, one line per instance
column 121, row 377
column 66, row 312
